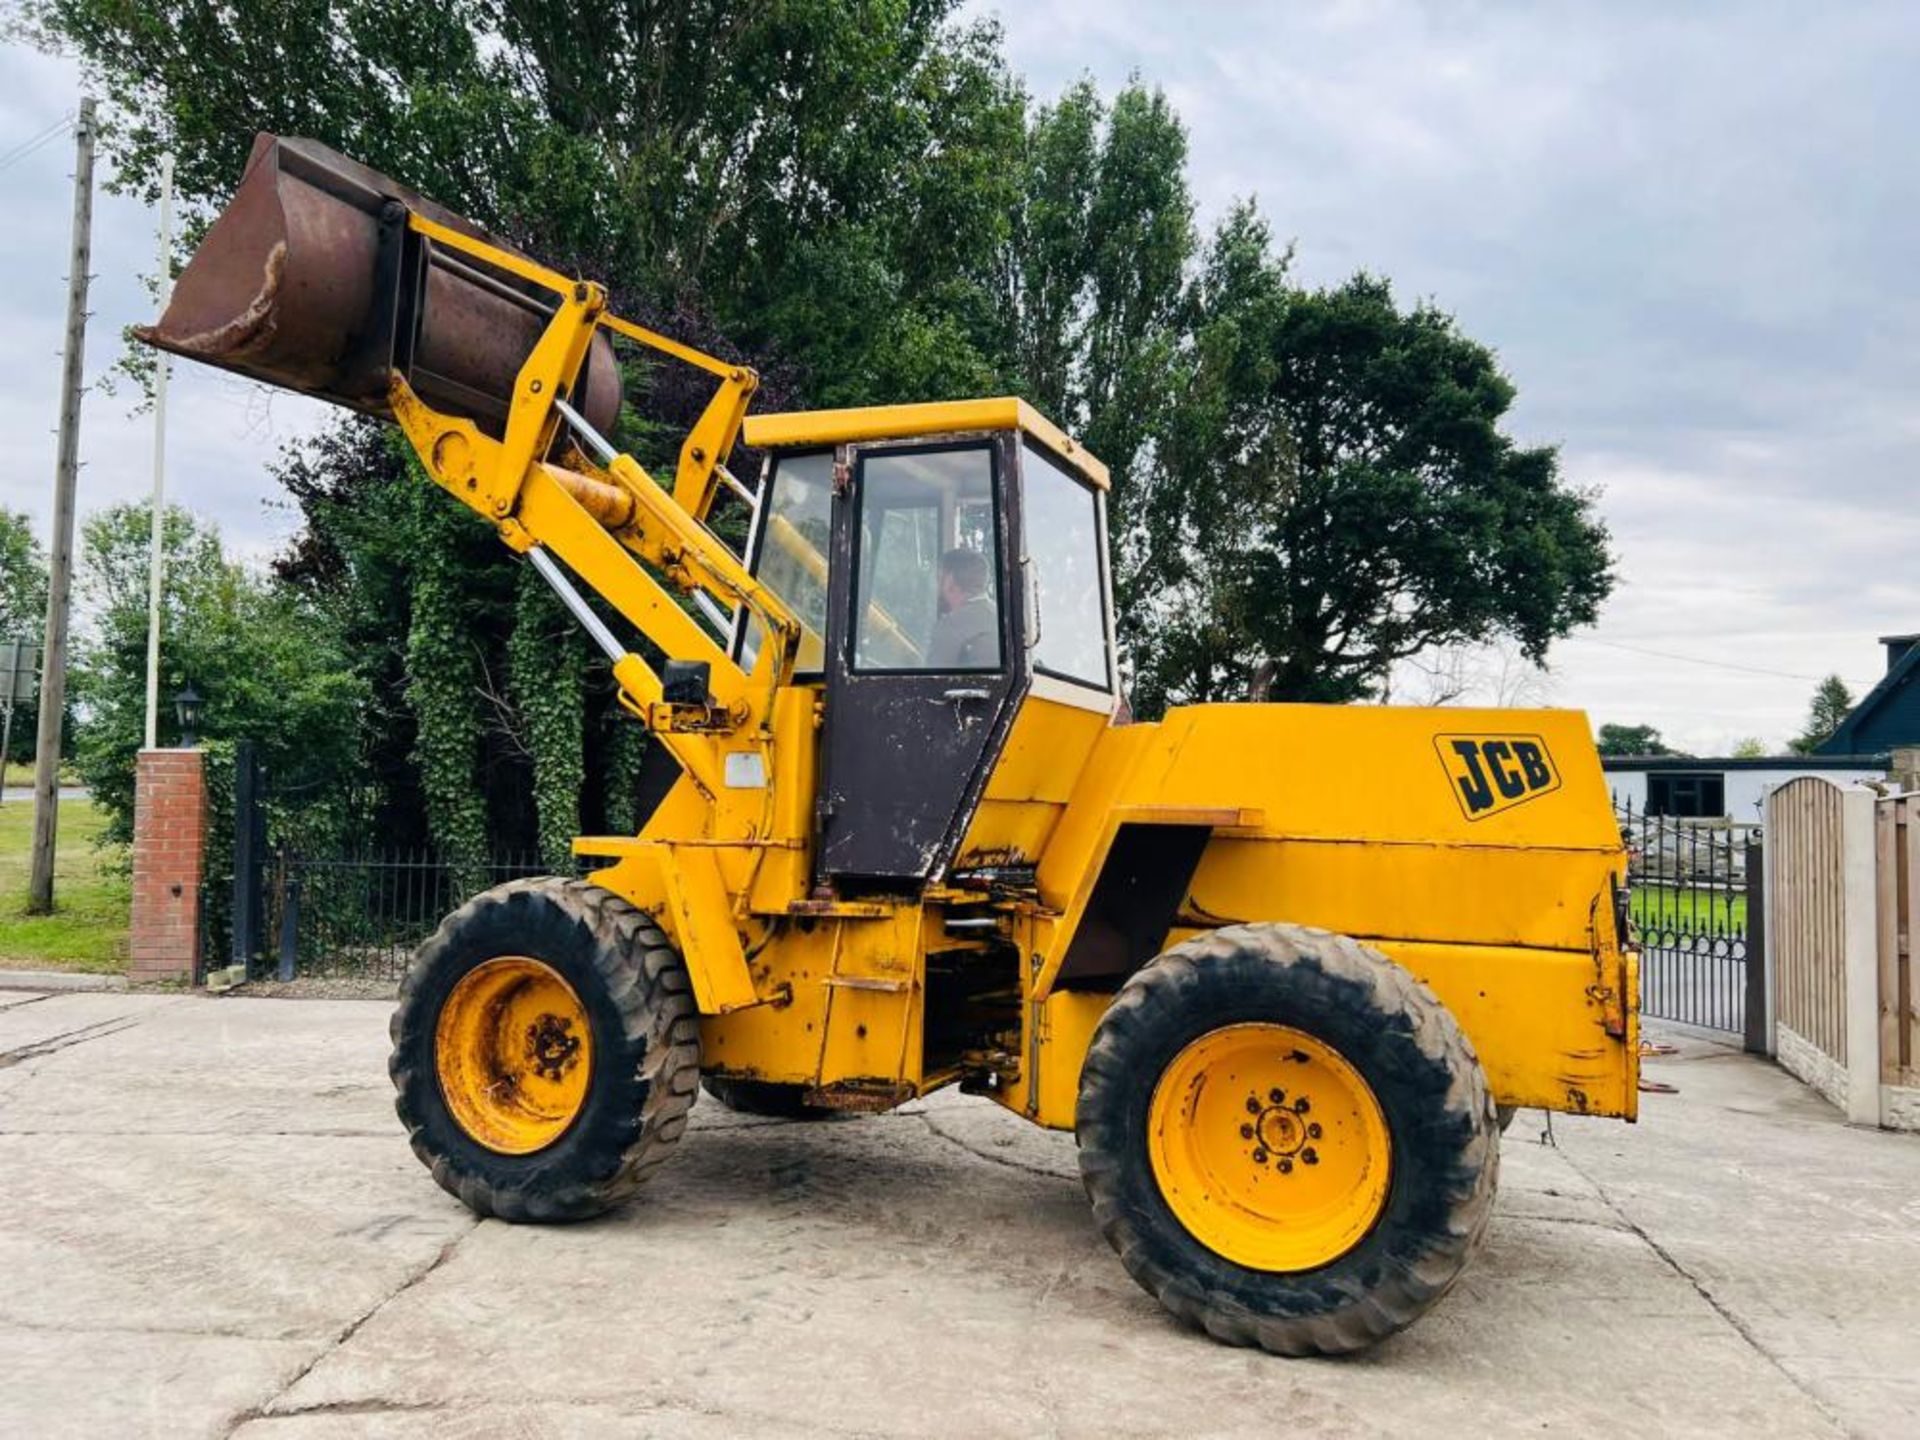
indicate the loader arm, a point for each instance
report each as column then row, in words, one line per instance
column 328, row 278
column 588, row 514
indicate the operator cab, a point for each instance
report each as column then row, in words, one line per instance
column 946, row 561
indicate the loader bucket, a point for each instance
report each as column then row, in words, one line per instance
column 311, row 280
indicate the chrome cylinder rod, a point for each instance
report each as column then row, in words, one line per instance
column 583, row 612
column 718, row 618
column 595, row 441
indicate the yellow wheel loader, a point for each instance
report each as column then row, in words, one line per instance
column 1281, row 969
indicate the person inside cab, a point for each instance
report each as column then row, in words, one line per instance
column 966, row 634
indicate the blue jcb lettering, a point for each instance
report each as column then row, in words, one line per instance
column 1532, row 764
column 1510, row 783
column 1492, row 773
column 1473, row 785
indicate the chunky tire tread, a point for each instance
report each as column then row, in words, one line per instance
column 766, row 1097
column 646, row 1050
column 1422, row 1068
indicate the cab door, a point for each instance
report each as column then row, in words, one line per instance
column 922, row 661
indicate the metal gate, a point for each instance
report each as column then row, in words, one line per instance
column 301, row 888
column 1694, row 898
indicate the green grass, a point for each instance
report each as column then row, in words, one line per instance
column 1696, row 911
column 88, row 927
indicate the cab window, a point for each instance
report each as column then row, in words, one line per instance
column 1068, row 629
column 927, row 562
column 790, row 557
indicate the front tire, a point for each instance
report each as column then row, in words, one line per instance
column 546, row 1051
column 1287, row 1138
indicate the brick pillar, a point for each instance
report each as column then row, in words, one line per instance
column 169, row 859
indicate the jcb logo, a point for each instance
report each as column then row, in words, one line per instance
column 1491, row 773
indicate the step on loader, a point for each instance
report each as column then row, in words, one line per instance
column 1281, row 969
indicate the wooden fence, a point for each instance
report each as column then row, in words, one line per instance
column 1843, row 886
column 1897, row 876
column 1806, row 848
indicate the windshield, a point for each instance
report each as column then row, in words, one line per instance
column 791, row 558
column 1063, row 545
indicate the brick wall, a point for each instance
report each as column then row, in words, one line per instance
column 169, row 858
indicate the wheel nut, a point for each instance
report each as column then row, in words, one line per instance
column 1260, row 1158
column 1246, row 1132
column 1253, row 1104
column 1300, row 1106
column 1313, row 1130
column 1310, row 1156
column 1278, row 1097
column 1286, row 1166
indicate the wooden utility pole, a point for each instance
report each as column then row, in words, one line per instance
column 53, row 681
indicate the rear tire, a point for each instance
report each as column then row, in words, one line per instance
column 1331, row 1255
column 765, row 1097
column 517, row 993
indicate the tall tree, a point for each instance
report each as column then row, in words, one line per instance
column 1831, row 703
column 1336, row 494
column 1093, row 274
column 23, row 578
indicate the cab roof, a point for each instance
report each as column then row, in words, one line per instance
column 795, row 428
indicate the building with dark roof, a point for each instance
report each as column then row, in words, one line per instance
column 1720, row 787
column 1862, row 747
column 1888, row 716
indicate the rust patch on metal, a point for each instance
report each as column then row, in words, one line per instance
column 863, row 1097
column 552, row 1048
column 253, row 328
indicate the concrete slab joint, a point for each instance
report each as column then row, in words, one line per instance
column 169, row 863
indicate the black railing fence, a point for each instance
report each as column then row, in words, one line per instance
column 1691, row 886
column 301, row 885
column 362, row 916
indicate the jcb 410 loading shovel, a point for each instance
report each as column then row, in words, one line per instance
column 1281, row 969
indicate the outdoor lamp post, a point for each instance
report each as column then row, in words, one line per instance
column 186, row 704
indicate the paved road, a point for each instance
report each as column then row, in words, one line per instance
column 23, row 794
column 212, row 1227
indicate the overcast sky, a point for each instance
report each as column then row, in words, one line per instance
column 1688, row 231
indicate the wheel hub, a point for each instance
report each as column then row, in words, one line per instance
column 1269, row 1147
column 513, row 1054
column 551, row 1050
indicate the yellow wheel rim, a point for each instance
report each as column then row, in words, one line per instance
column 513, row 1049
column 1269, row 1147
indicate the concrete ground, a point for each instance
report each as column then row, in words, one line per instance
column 213, row 1227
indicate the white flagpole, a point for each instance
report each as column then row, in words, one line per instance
column 156, row 559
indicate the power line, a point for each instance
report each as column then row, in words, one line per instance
column 45, row 137
column 1701, row 660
